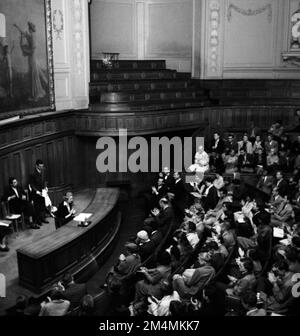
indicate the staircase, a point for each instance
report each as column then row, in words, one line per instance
column 145, row 85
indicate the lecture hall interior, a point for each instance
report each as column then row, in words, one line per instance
column 150, row 158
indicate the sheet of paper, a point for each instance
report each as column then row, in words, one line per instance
column 285, row 242
column 13, row 217
column 82, row 217
column 278, row 233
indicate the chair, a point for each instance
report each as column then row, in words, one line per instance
column 16, row 219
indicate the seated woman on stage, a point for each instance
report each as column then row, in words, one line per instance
column 65, row 212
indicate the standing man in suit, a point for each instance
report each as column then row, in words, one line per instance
column 180, row 197
column 36, row 185
column 281, row 184
column 73, row 292
column 210, row 197
column 17, row 201
column 218, row 144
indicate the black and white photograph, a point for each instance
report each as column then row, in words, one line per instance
column 149, row 162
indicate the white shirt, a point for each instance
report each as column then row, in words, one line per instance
column 16, row 191
column 193, row 238
column 162, row 308
column 207, row 190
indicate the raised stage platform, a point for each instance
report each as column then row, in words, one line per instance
column 44, row 255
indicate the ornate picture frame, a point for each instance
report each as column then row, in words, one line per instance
column 26, row 58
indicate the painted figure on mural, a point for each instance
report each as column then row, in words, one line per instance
column 38, row 78
column 5, row 62
column 296, row 29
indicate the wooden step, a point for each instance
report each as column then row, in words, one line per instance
column 144, row 85
column 133, row 75
column 123, row 97
column 148, row 106
column 130, row 65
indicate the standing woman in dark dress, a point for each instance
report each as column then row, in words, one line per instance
column 65, row 211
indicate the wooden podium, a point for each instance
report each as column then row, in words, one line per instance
column 71, row 248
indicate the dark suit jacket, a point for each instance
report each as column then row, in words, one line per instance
column 145, row 250
column 282, row 187
column 211, row 200
column 168, row 183
column 265, row 186
column 37, row 182
column 74, row 293
column 219, row 148
column 16, row 205
column 61, row 214
column 156, row 237
column 165, row 219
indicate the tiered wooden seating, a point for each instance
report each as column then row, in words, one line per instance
column 141, row 86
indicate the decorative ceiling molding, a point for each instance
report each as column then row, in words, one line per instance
column 250, row 12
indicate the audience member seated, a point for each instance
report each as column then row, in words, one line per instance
column 152, row 285
column 73, row 292
column 146, row 246
column 210, row 197
column 230, row 145
column 239, row 287
column 18, row 203
column 193, row 280
column 245, row 162
column 249, row 302
column 284, row 215
column 265, row 183
column 258, row 145
column 201, row 163
column 162, row 307
column 192, row 235
column 126, row 265
column 277, row 130
column 272, row 160
column 218, row 144
column 65, row 212
column 260, row 161
column 281, row 184
column 245, row 145
column 55, row 305
column 296, row 203
column 160, row 219
column 276, row 287
column 271, row 143
column 231, row 162
column 218, row 181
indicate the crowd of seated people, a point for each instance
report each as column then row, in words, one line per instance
column 230, row 252
column 221, row 252
column 62, row 299
column 253, row 153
